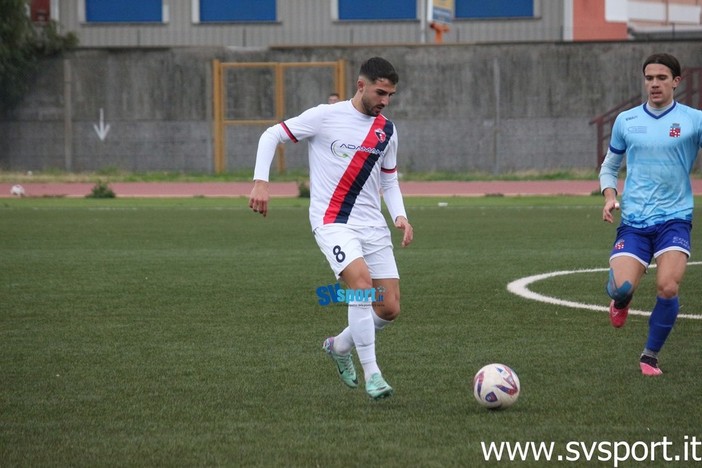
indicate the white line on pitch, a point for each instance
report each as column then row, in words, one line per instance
column 520, row 288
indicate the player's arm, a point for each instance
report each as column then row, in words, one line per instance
column 294, row 129
column 610, row 204
column 408, row 232
column 396, row 206
column 608, row 183
column 258, row 199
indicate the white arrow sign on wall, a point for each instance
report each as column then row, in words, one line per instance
column 103, row 129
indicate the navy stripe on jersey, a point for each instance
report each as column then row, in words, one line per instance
column 358, row 171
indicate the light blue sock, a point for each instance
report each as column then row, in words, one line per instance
column 661, row 322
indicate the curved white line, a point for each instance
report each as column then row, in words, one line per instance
column 520, row 288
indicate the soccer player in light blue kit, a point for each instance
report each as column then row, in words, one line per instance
column 661, row 139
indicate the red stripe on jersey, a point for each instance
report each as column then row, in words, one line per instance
column 287, row 130
column 389, row 171
column 357, row 172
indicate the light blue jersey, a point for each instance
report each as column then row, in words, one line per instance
column 660, row 153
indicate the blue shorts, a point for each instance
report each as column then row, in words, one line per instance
column 643, row 244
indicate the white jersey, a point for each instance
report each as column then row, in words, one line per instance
column 347, row 152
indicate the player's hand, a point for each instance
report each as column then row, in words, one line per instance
column 258, row 200
column 610, row 205
column 402, row 223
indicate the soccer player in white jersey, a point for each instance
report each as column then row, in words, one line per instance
column 661, row 139
column 352, row 151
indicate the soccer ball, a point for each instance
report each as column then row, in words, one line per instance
column 17, row 191
column 496, row 386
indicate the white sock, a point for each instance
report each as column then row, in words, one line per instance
column 380, row 323
column 343, row 342
column 362, row 329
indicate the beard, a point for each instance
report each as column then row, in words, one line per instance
column 370, row 109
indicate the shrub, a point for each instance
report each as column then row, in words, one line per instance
column 303, row 189
column 101, row 190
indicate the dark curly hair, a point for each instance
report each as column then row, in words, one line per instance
column 377, row 67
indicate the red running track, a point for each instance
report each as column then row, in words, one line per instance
column 289, row 189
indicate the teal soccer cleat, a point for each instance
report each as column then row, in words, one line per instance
column 344, row 364
column 377, row 388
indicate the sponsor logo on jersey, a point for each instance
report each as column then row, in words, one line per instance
column 347, row 150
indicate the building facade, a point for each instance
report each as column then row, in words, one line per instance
column 266, row 23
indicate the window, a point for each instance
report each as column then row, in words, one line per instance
column 124, row 11
column 377, row 10
column 212, row 11
column 470, row 9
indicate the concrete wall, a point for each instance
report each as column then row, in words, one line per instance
column 491, row 108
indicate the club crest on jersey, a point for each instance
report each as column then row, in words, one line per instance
column 380, row 135
column 674, row 130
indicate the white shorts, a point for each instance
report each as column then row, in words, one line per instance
column 341, row 244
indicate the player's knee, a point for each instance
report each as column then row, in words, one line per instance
column 621, row 293
column 387, row 303
column 667, row 290
column 387, row 310
column 390, row 313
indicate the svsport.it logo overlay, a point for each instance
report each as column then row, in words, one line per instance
column 335, row 294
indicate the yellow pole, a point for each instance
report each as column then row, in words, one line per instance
column 341, row 78
column 218, row 116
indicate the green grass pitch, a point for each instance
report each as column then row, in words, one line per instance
column 187, row 332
